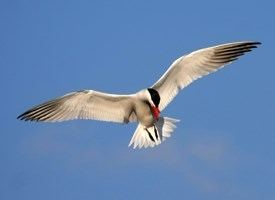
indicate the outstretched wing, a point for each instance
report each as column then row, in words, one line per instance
column 86, row 104
column 188, row 68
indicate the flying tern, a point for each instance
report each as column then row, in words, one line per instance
column 146, row 105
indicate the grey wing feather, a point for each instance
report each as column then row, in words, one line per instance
column 87, row 104
column 188, row 68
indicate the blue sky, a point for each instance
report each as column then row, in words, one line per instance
column 223, row 147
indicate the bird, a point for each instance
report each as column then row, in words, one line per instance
column 146, row 105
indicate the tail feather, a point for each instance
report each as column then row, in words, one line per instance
column 155, row 135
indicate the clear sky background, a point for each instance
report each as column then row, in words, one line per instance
column 223, row 147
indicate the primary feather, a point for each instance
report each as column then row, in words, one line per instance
column 190, row 67
column 86, row 104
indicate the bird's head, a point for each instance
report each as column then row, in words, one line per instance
column 153, row 97
column 154, row 100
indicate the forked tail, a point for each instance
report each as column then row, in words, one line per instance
column 155, row 135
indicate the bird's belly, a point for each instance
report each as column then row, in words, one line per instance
column 144, row 114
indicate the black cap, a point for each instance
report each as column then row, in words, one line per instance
column 154, row 96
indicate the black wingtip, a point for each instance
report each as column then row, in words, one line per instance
column 251, row 44
column 23, row 117
column 256, row 43
column 19, row 117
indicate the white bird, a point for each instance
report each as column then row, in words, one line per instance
column 144, row 106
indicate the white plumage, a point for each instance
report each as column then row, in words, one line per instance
column 145, row 105
column 165, row 127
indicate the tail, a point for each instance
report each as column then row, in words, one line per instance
column 155, row 135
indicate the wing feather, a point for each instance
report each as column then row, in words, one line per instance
column 189, row 68
column 86, row 104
